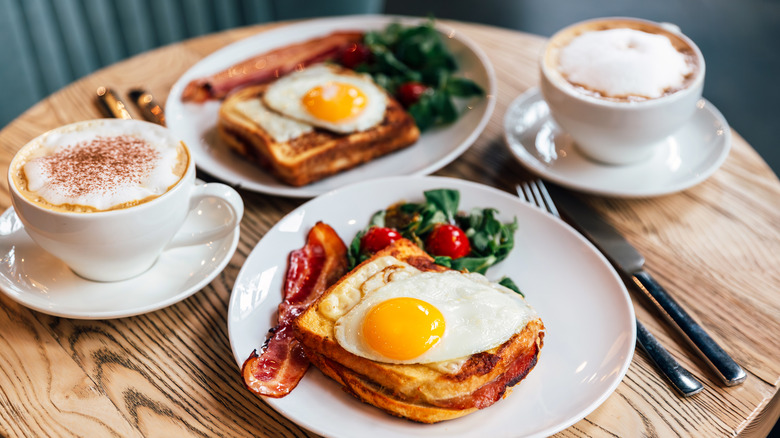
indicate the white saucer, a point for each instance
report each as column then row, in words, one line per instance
column 681, row 161
column 38, row 280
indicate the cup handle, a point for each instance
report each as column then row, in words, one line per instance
column 227, row 197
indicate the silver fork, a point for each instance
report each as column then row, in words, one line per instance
column 535, row 193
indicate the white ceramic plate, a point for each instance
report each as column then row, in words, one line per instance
column 196, row 123
column 682, row 160
column 585, row 307
column 38, row 280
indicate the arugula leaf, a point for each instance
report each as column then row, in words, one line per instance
column 418, row 54
column 443, row 260
column 474, row 264
column 354, row 255
column 509, row 284
column 491, row 240
column 462, row 87
column 423, row 113
column 444, row 108
column 445, row 200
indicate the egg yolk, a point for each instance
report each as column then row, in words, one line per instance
column 403, row 328
column 334, row 101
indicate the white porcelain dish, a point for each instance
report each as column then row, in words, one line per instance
column 682, row 160
column 38, row 280
column 582, row 301
column 196, row 123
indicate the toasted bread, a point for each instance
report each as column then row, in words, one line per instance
column 313, row 155
column 425, row 393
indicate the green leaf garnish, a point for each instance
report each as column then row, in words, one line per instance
column 418, row 53
column 491, row 240
column 509, row 284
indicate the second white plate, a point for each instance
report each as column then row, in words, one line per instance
column 196, row 123
column 584, row 305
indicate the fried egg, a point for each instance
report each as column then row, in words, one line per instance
column 280, row 128
column 328, row 98
column 395, row 313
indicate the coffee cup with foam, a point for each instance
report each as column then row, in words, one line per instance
column 108, row 196
column 621, row 86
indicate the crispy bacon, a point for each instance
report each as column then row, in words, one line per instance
column 311, row 270
column 268, row 66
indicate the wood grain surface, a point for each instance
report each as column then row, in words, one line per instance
column 171, row 372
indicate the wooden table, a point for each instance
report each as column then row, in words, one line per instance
column 171, row 372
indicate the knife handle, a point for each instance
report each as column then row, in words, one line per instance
column 112, row 104
column 150, row 109
column 678, row 376
column 728, row 370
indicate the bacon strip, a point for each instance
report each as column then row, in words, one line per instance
column 311, row 270
column 268, row 66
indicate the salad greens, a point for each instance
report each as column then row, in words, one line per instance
column 491, row 240
column 418, row 54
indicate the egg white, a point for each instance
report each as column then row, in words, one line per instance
column 286, row 97
column 479, row 315
column 280, row 128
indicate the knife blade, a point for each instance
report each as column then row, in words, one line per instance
column 631, row 264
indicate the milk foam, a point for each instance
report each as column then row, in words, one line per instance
column 103, row 167
column 624, row 62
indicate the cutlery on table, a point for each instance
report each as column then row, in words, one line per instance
column 150, row 109
column 683, row 381
column 629, row 262
column 153, row 112
column 112, row 104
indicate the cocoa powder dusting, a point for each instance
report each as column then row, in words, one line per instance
column 102, row 164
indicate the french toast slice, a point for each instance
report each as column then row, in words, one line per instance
column 425, row 393
column 313, row 155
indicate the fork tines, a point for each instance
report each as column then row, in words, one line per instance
column 536, row 193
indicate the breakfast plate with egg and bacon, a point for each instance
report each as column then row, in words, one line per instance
column 572, row 305
column 311, row 108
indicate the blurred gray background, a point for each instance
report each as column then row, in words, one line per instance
column 47, row 44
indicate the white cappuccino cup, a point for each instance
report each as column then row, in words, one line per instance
column 620, row 86
column 108, row 196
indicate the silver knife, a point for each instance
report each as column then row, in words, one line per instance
column 680, row 379
column 630, row 262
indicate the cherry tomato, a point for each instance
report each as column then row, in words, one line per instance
column 355, row 55
column 410, row 92
column 376, row 238
column 448, row 240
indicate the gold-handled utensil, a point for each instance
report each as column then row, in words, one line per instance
column 112, row 104
column 150, row 109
